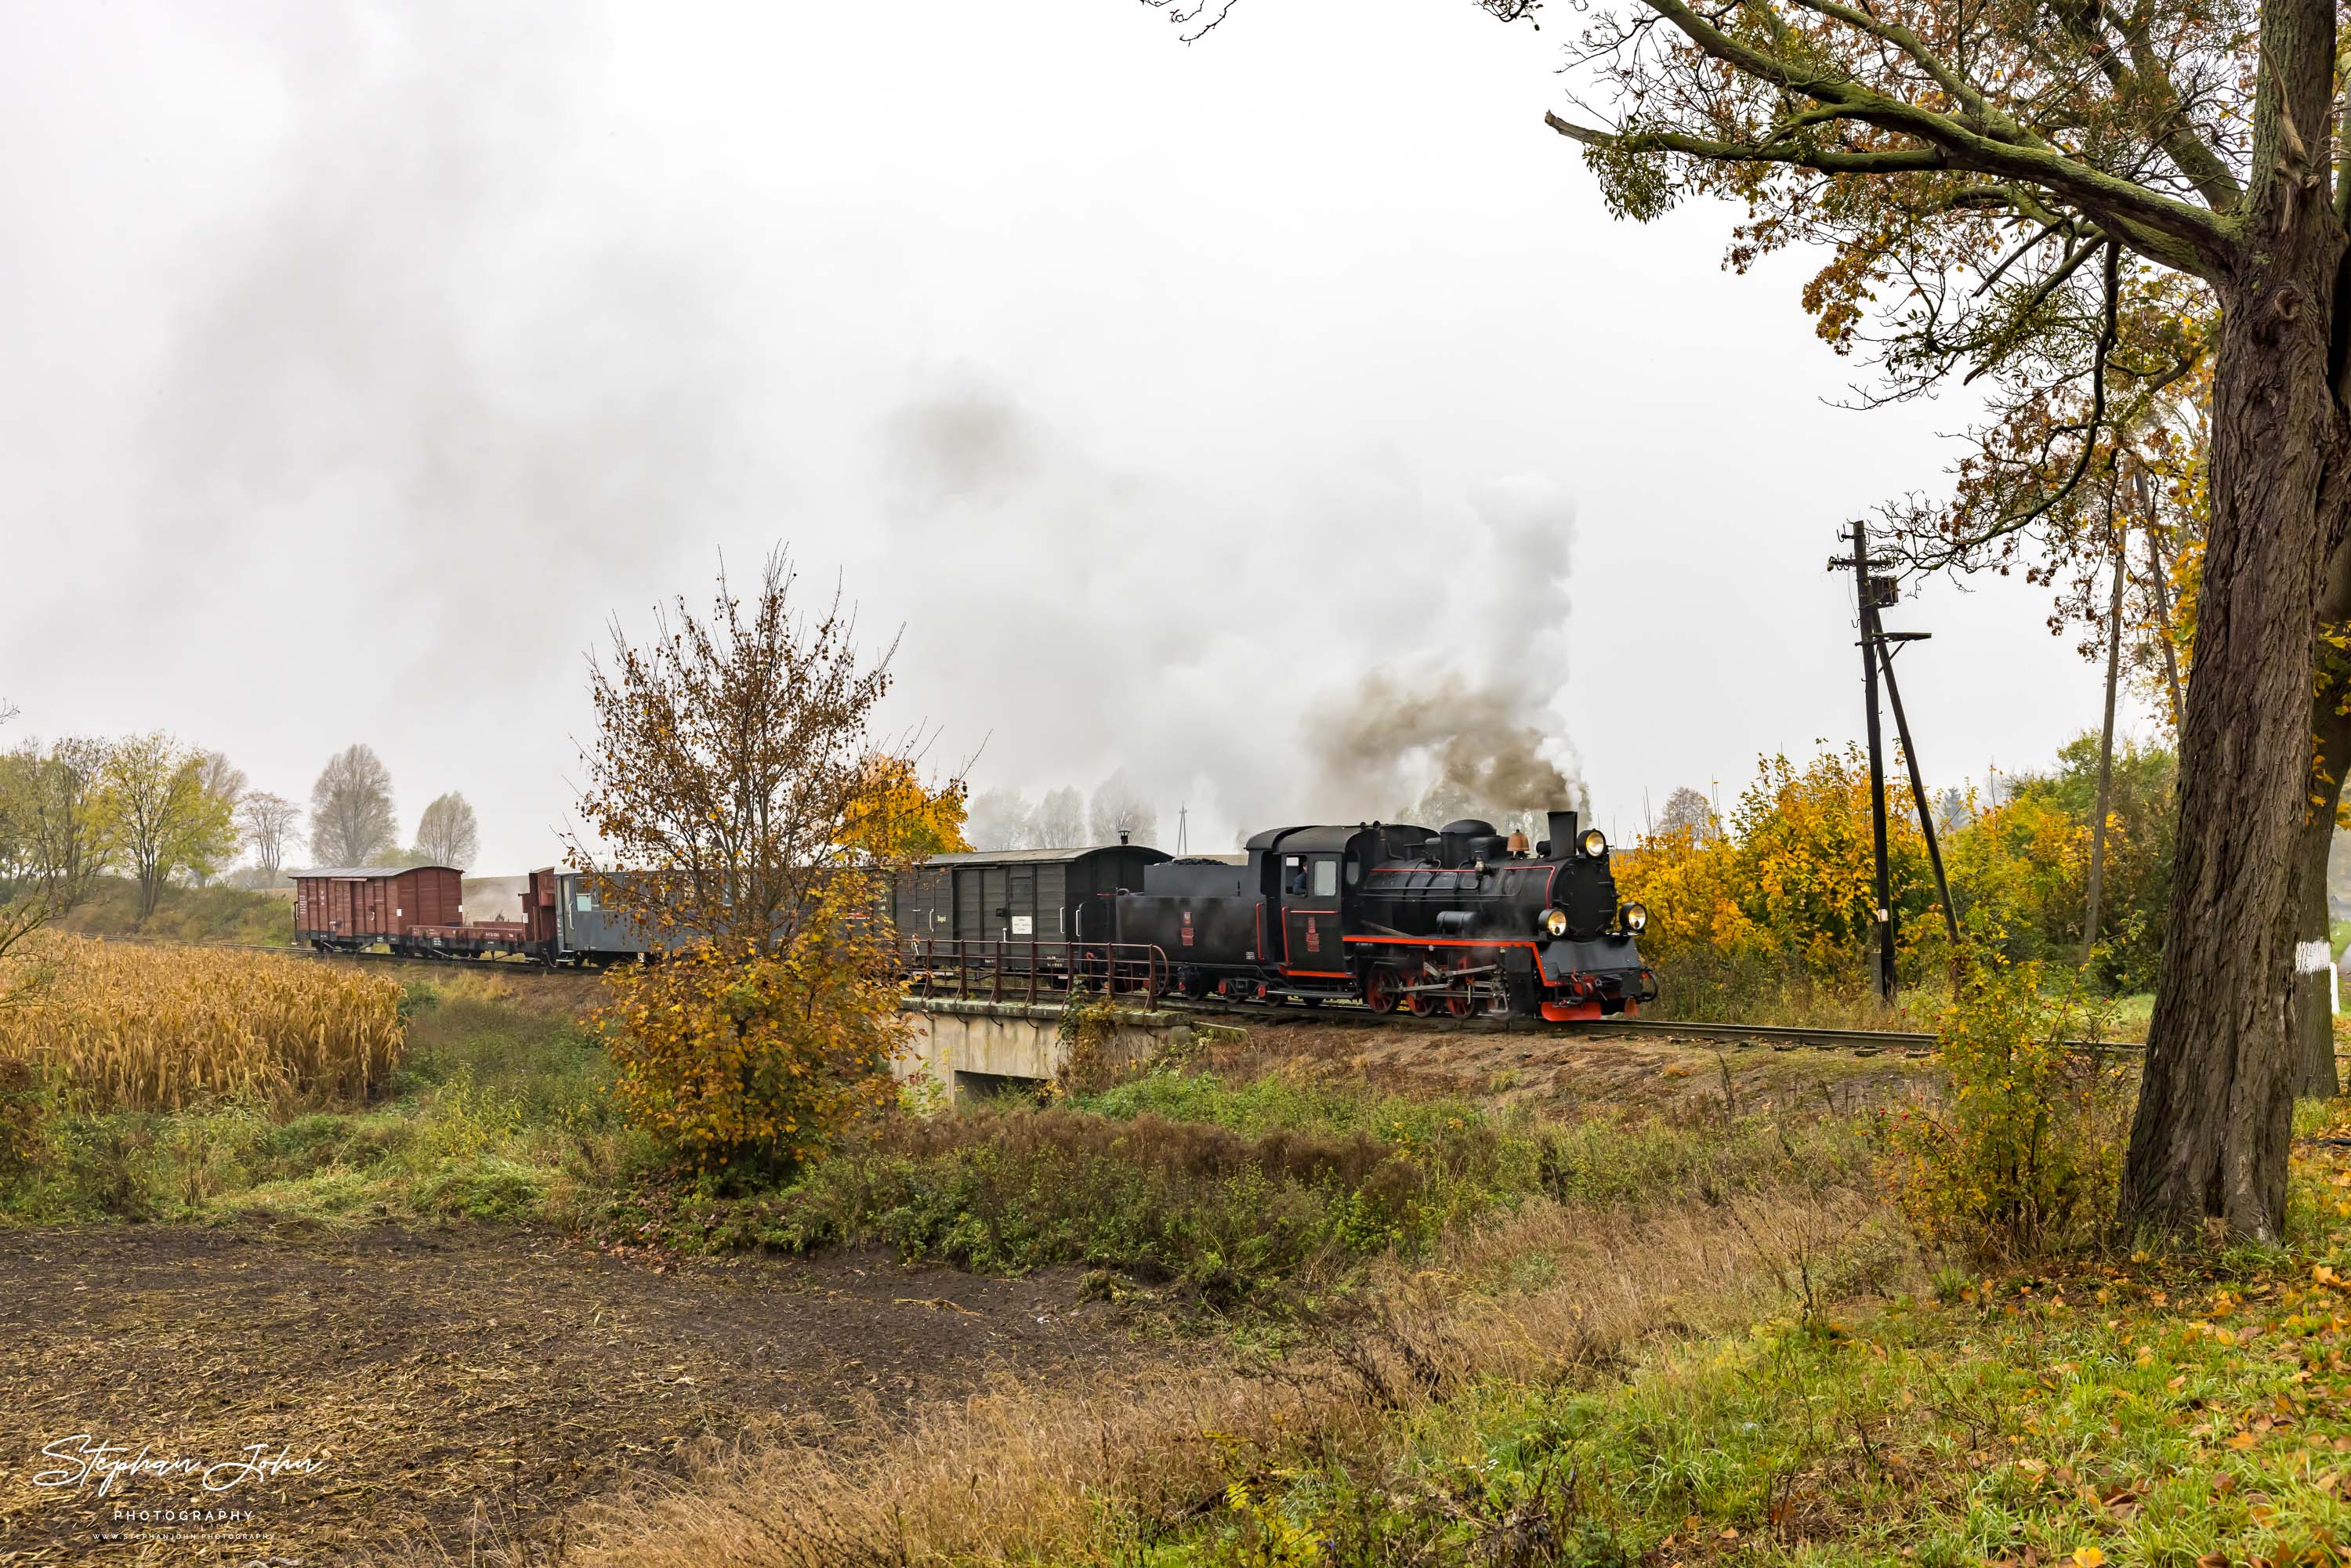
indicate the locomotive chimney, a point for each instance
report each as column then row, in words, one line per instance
column 1563, row 832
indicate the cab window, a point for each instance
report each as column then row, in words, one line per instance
column 1326, row 876
column 1293, row 876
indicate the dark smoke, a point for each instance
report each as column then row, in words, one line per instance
column 1433, row 743
column 1466, row 750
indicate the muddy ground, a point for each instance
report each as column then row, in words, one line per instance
column 456, row 1382
column 469, row 1384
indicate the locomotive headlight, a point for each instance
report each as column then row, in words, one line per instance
column 1635, row 918
column 1552, row 921
column 1596, row 842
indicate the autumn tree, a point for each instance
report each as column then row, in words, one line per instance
column 225, row 781
column 446, row 833
column 1118, row 808
column 1001, row 819
column 351, row 821
column 270, row 824
column 1970, row 169
column 160, row 817
column 53, row 843
column 738, row 805
column 220, row 777
column 898, row 818
column 1687, row 812
column 1061, row 821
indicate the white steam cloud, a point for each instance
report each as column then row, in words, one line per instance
column 1371, row 682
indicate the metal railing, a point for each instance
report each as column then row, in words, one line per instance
column 1033, row 971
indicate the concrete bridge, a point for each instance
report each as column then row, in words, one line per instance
column 973, row 1048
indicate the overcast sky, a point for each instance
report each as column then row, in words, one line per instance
column 361, row 362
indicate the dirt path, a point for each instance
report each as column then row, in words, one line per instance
column 450, row 1381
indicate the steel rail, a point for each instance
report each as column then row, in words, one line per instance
column 1849, row 1039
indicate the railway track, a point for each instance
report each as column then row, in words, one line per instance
column 1740, row 1036
column 1778, row 1036
column 1860, row 1042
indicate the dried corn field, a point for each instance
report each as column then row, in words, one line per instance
column 118, row 1025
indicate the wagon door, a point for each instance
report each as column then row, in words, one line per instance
column 968, row 919
column 1020, row 905
column 1310, row 916
column 993, row 911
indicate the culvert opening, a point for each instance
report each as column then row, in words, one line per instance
column 1003, row 1086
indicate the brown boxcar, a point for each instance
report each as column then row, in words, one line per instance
column 360, row 907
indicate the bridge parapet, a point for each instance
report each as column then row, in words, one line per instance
column 972, row 1047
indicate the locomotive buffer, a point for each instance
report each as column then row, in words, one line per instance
column 1872, row 592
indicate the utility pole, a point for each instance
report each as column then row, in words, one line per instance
column 1183, row 822
column 1868, row 589
column 1871, row 594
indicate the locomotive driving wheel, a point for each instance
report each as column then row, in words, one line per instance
column 1383, row 990
column 1425, row 1002
column 1459, row 1001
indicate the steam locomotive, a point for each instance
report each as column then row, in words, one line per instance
column 1462, row 920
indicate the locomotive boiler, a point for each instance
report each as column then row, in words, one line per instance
column 1462, row 920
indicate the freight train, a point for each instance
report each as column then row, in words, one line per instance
column 1461, row 920
column 418, row 912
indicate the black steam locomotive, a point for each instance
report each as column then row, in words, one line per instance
column 1462, row 920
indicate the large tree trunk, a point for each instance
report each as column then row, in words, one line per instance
column 2216, row 1101
column 2310, row 1007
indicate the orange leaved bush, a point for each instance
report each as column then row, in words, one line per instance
column 754, row 1061
column 743, row 813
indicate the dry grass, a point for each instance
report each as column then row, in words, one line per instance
column 131, row 1027
column 1023, row 1474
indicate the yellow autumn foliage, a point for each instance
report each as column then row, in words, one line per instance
column 124, row 1026
column 756, row 1060
column 1787, row 881
column 896, row 818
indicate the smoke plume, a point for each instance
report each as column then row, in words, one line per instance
column 1431, row 740
column 1169, row 632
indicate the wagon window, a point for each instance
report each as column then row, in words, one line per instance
column 584, row 903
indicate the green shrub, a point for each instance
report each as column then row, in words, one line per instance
column 2023, row 1152
column 1224, row 1211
